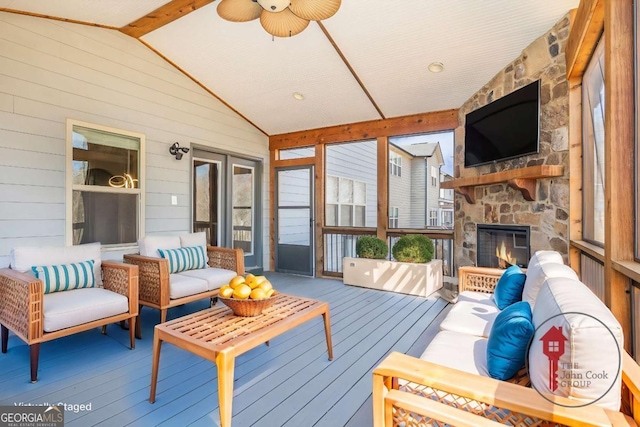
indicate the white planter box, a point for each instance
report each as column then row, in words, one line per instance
column 403, row 277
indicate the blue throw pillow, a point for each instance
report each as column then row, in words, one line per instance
column 65, row 277
column 183, row 259
column 508, row 340
column 509, row 287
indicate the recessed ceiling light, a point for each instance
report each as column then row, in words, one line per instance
column 298, row 96
column 436, row 67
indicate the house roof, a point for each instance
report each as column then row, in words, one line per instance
column 367, row 62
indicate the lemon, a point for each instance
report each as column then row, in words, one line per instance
column 226, row 291
column 260, row 279
column 242, row 291
column 258, row 294
column 238, row 280
column 265, row 285
column 271, row 292
column 250, row 277
column 251, row 281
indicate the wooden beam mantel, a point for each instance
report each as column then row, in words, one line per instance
column 523, row 179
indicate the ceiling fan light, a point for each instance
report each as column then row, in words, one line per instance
column 282, row 24
column 315, row 10
column 274, row 5
column 239, row 10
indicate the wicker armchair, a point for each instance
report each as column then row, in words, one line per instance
column 410, row 392
column 155, row 283
column 22, row 307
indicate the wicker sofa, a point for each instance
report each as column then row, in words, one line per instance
column 450, row 383
column 161, row 289
column 36, row 312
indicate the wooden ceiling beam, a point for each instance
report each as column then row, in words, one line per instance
column 586, row 29
column 56, row 18
column 405, row 125
column 162, row 16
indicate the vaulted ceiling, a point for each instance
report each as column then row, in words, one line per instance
column 369, row 61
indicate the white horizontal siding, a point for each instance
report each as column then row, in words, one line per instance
column 51, row 71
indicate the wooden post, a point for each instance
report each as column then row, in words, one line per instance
column 320, row 202
column 383, row 187
column 575, row 169
column 273, row 156
column 619, row 155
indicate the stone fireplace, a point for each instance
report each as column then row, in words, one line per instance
column 500, row 246
column 547, row 215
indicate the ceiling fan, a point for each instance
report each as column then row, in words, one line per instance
column 280, row 18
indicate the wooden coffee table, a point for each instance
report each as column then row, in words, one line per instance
column 216, row 334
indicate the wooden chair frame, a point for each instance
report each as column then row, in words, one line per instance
column 155, row 282
column 22, row 311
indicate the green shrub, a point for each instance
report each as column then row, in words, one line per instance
column 413, row 248
column 371, row 247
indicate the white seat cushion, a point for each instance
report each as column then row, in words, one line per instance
column 149, row 245
column 477, row 297
column 544, row 264
column 459, row 351
column 586, row 348
column 23, row 258
column 183, row 286
column 76, row 307
column 471, row 318
column 215, row 277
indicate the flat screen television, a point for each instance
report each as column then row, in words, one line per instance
column 506, row 128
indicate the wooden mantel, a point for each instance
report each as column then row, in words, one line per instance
column 523, row 179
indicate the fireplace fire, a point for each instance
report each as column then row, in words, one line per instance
column 501, row 246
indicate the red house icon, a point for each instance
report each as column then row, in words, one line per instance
column 553, row 347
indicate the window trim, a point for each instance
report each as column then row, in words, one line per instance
column 353, row 205
column 69, row 187
column 395, row 164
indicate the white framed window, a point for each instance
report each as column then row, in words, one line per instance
column 433, row 217
column 393, row 217
column 104, row 185
column 395, row 164
column 446, row 216
column 434, row 176
column 346, row 201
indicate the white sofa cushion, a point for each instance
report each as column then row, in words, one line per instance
column 215, row 277
column 193, row 239
column 471, row 318
column 71, row 308
column 459, row 351
column 477, row 297
column 593, row 344
column 23, row 258
column 183, row 286
column 544, row 264
column 149, row 245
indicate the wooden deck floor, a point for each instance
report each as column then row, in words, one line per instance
column 290, row 383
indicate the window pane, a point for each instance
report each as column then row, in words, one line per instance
column 331, row 215
column 359, row 217
column 346, row 216
column 203, row 192
column 346, row 191
column 359, row 193
column 354, row 166
column 242, row 186
column 593, row 110
column 109, row 218
column 297, row 153
column 104, row 158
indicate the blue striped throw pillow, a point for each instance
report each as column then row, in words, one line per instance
column 183, row 259
column 65, row 277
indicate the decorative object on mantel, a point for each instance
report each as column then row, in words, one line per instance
column 523, row 179
column 178, row 151
column 280, row 18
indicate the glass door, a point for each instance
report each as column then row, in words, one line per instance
column 206, row 199
column 295, row 220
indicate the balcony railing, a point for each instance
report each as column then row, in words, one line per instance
column 341, row 242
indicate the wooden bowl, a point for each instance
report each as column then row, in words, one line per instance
column 248, row 307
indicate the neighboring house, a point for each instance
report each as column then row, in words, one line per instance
column 414, row 186
column 446, row 203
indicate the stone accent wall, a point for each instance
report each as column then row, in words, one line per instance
column 548, row 215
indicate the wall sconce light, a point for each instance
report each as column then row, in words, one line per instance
column 178, row 151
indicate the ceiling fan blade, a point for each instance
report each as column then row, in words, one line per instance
column 315, row 10
column 239, row 10
column 282, row 24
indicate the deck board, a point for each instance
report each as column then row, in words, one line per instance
column 290, row 382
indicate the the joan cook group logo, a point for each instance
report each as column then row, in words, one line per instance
column 572, row 375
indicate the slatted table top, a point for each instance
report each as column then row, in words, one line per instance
column 218, row 328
